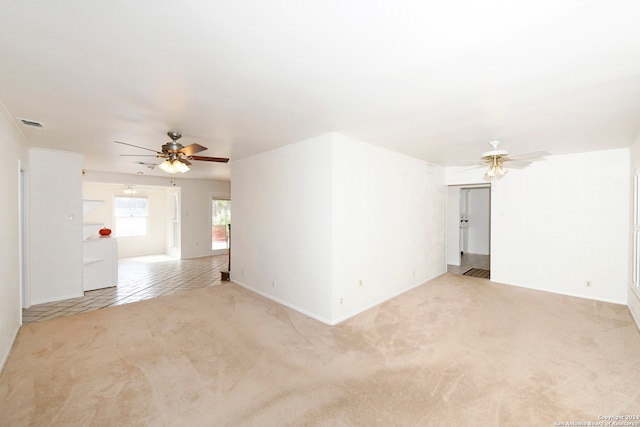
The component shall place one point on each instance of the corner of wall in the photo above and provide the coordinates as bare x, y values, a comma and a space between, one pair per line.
378, 253
280, 242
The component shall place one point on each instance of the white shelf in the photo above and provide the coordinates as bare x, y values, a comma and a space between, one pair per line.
89, 205
100, 255
90, 229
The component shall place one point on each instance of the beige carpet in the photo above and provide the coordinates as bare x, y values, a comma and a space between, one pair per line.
457, 351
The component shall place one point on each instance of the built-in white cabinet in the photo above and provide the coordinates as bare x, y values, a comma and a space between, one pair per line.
100, 253
100, 263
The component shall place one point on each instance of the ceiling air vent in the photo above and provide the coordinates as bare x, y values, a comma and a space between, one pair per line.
31, 123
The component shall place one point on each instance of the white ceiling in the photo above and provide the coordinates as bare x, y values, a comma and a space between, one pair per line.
432, 79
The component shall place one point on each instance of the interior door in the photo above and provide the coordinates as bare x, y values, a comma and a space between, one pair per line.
479, 221
453, 225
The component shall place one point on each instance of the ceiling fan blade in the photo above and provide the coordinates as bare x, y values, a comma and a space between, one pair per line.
210, 159
192, 149
516, 164
470, 168
531, 155
469, 162
137, 146
139, 155
186, 162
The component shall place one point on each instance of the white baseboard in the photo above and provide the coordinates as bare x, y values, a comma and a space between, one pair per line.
333, 322
569, 294
286, 304
60, 298
632, 306
636, 320
5, 356
380, 301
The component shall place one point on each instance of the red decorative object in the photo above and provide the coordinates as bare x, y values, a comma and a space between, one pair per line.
105, 231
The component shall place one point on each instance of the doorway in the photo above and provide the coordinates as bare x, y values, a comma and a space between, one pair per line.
220, 221
469, 230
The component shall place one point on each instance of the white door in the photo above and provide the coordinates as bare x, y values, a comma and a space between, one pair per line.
453, 225
479, 218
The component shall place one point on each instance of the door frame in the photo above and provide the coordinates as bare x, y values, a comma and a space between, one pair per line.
213, 197
23, 238
453, 219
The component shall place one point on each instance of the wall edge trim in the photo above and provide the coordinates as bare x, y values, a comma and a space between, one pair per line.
568, 294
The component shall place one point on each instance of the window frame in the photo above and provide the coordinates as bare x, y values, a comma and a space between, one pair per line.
118, 227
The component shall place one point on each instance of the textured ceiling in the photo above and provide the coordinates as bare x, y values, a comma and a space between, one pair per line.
432, 79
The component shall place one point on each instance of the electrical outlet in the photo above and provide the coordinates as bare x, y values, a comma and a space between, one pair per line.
588, 284
360, 282
242, 272
340, 301
273, 284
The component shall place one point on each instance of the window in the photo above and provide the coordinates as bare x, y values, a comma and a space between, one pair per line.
131, 216
175, 221
220, 219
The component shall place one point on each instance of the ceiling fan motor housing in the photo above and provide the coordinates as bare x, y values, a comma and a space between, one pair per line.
172, 147
494, 153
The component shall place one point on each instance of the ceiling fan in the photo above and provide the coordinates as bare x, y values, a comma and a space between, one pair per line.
496, 160
177, 158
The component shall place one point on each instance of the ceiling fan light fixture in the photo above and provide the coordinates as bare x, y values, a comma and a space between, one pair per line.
129, 191
173, 166
181, 166
496, 169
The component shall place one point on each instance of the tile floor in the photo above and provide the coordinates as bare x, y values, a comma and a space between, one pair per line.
469, 261
139, 278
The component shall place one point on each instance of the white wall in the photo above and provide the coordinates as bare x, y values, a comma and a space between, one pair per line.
319, 216
14, 149
155, 242
633, 294
55, 225
195, 209
281, 225
388, 224
560, 223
